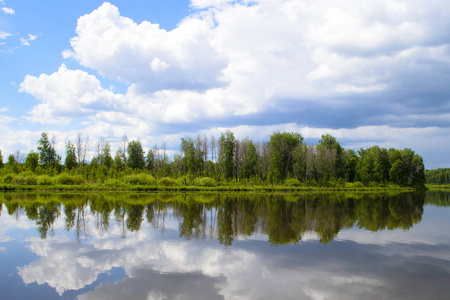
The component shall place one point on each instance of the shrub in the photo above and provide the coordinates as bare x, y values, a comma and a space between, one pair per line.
141, 179
45, 180
68, 179
292, 182
354, 185
8, 178
167, 181
20, 180
205, 181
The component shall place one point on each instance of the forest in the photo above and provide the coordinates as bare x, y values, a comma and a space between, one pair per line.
439, 176
284, 160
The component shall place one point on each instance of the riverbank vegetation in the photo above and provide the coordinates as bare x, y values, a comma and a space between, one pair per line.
285, 162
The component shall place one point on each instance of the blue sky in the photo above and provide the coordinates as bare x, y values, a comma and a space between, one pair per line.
370, 73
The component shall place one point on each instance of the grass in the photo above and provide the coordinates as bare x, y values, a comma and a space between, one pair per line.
190, 188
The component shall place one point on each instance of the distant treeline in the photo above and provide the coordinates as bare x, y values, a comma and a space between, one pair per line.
284, 159
438, 176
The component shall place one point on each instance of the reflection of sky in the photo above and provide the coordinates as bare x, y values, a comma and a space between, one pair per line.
389, 264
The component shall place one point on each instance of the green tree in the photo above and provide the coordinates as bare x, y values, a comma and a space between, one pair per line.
32, 161
250, 160
12, 165
282, 147
227, 145
330, 158
47, 153
119, 160
71, 156
135, 155
351, 163
150, 161
189, 156
1, 159
104, 154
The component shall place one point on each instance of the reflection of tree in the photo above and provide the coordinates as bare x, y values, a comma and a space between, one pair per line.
12, 207
438, 198
81, 228
32, 211
120, 215
225, 221
135, 217
284, 218
46, 218
69, 211
191, 221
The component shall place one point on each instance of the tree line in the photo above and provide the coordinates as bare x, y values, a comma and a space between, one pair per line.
284, 159
438, 176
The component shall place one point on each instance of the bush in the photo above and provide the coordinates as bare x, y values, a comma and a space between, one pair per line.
68, 179
354, 185
45, 180
141, 179
167, 181
8, 178
20, 180
292, 182
205, 181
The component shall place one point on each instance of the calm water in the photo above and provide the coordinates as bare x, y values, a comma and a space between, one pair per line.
225, 246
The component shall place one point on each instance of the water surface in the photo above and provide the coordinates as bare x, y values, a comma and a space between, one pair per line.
225, 246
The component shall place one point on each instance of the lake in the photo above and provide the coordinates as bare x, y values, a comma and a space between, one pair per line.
225, 246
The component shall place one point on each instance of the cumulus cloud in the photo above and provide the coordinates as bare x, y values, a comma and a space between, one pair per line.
341, 65
146, 55
66, 94
8, 11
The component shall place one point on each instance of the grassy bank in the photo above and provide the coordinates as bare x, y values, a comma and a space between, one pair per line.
155, 188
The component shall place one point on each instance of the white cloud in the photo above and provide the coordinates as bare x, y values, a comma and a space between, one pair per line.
66, 94
243, 58
8, 11
4, 35
26, 42
146, 55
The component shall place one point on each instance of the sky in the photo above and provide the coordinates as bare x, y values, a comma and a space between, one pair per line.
367, 72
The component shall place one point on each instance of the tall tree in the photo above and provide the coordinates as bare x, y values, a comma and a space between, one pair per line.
250, 160
227, 146
32, 161
135, 155
150, 161
188, 152
1, 159
71, 156
330, 160
282, 146
119, 160
47, 153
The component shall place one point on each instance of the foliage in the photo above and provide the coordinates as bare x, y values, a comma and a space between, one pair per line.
438, 176
227, 146
45, 180
205, 181
292, 182
47, 153
135, 155
68, 179
285, 161
140, 179
1, 159
167, 181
